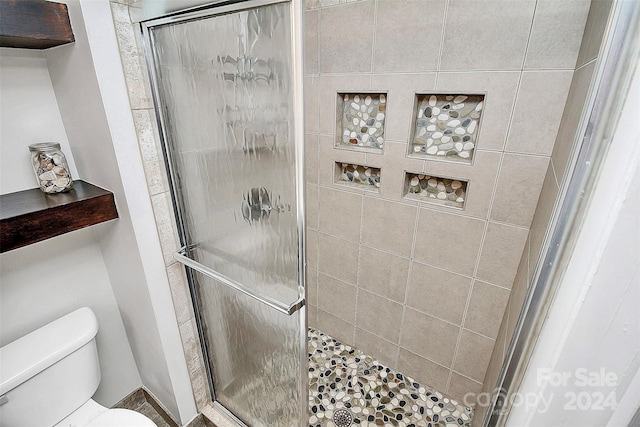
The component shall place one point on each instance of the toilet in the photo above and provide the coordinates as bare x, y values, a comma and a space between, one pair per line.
47, 378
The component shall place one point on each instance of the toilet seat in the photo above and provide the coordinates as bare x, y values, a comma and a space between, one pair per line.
92, 414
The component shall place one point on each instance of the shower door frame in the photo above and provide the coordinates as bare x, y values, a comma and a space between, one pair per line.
201, 10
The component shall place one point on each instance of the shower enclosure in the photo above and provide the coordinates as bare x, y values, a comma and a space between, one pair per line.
226, 82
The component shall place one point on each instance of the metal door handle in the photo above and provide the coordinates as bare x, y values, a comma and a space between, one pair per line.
282, 307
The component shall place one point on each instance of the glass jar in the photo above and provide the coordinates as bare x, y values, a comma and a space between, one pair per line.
50, 167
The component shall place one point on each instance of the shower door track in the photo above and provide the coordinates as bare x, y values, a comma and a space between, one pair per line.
284, 308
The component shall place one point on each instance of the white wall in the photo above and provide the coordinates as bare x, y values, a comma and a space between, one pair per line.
41, 282
29, 114
90, 90
593, 327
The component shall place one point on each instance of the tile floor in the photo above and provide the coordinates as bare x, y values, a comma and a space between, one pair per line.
347, 387
350, 388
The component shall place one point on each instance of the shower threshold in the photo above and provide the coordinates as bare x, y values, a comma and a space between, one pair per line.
347, 387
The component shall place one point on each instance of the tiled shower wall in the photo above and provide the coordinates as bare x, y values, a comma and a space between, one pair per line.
557, 175
423, 287
143, 113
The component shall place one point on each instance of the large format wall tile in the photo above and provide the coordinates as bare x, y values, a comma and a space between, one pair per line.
485, 298
311, 112
593, 31
341, 329
346, 38
447, 241
429, 337
311, 206
500, 254
486, 35
338, 258
539, 105
385, 323
556, 33
383, 350
396, 52
518, 188
387, 226
336, 297
383, 274
340, 213
472, 357
426, 371
437, 292
311, 42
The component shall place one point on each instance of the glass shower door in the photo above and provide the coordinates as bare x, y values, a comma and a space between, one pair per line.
226, 86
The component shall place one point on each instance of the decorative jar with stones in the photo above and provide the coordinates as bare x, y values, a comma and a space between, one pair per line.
50, 167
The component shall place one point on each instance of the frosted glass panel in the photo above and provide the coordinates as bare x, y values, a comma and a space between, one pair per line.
224, 84
254, 356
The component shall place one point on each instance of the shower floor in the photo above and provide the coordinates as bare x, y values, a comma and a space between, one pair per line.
344, 378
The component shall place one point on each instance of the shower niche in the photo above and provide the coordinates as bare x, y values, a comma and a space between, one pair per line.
434, 189
360, 120
446, 126
358, 176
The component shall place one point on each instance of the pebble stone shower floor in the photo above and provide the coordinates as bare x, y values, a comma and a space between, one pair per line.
347, 387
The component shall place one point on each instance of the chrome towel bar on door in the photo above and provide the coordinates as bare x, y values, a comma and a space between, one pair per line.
282, 307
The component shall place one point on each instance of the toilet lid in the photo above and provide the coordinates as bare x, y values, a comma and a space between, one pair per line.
121, 417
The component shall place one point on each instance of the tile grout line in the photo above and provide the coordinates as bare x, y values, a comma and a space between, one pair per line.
318, 59
408, 259
358, 267
406, 285
416, 203
428, 159
450, 71
526, 49
555, 175
441, 47
373, 39
468, 301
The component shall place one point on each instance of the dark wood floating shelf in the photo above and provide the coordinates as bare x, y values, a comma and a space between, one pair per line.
34, 24
31, 216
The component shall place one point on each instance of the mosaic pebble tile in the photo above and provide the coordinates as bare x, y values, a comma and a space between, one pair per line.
361, 121
445, 191
447, 125
358, 175
342, 378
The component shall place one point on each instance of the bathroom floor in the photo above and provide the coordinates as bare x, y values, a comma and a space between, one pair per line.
347, 387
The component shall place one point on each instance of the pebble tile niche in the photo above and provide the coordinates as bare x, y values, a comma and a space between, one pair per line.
360, 120
365, 177
444, 191
348, 387
446, 126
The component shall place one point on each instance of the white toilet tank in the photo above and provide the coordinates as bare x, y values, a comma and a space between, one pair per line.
49, 373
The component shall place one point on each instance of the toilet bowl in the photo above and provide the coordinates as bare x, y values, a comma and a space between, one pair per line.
48, 377
92, 414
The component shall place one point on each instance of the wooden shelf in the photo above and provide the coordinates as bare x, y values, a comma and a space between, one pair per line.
34, 24
31, 216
